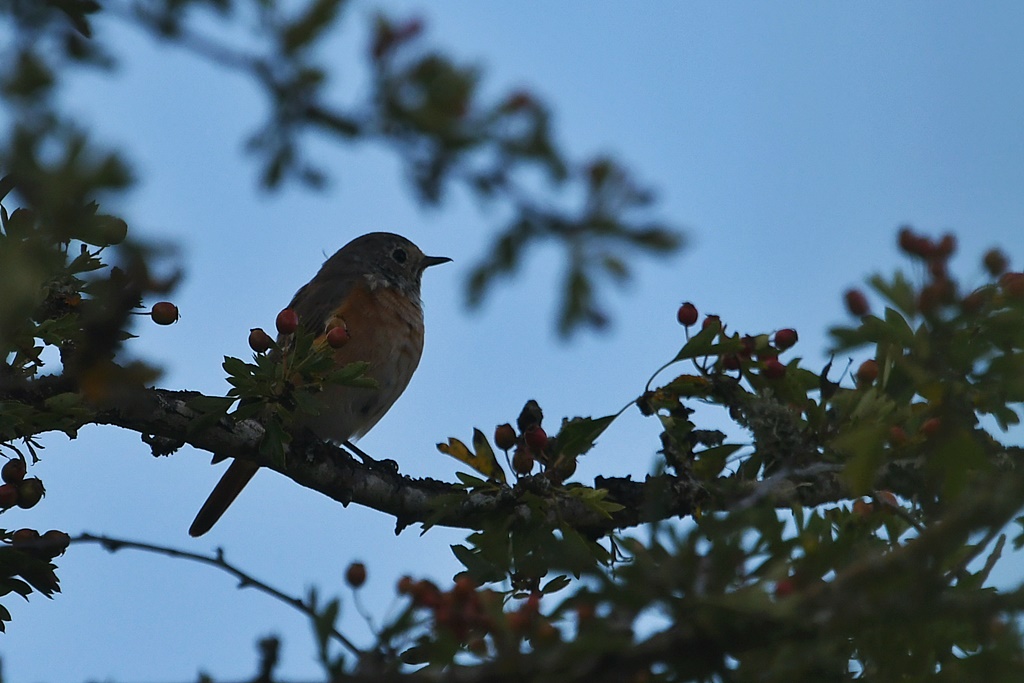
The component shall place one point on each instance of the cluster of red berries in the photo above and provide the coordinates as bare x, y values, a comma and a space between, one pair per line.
883, 501
17, 489
45, 546
529, 447
287, 322
471, 614
753, 348
464, 611
940, 289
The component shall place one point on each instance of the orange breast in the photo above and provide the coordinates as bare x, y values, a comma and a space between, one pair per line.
385, 330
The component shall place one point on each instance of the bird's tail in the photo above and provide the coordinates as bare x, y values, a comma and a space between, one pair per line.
224, 493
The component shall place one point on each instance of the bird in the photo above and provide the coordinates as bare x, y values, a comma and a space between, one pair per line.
371, 287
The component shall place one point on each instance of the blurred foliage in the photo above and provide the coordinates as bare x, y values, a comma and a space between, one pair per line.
852, 535
422, 105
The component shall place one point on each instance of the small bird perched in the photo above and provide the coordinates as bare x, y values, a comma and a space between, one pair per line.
371, 288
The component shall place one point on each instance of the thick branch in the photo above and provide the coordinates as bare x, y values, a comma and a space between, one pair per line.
333, 472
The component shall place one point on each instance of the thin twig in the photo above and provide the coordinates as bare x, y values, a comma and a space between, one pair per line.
217, 560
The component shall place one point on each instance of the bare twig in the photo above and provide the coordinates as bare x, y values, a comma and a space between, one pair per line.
245, 580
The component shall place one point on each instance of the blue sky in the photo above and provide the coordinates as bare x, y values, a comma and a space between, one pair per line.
790, 141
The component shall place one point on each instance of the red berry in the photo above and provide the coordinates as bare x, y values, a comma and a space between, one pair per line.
30, 492
856, 302
337, 337
287, 321
259, 341
995, 262
1013, 285
914, 244
522, 461
425, 594
786, 338
749, 346
164, 313
897, 435
355, 575
862, 508
931, 427
784, 588
773, 369
975, 301
8, 496
520, 99
887, 498
24, 537
13, 471
405, 585
946, 246
504, 436
536, 438
54, 543
464, 587
711, 321
867, 373
687, 314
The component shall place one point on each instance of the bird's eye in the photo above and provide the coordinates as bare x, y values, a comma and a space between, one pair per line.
399, 255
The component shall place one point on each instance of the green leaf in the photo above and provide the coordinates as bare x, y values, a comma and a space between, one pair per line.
577, 435
483, 461
900, 292
556, 584
479, 568
700, 344
865, 447
711, 461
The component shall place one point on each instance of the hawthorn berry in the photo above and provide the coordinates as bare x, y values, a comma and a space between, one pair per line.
931, 427
287, 321
784, 588
867, 373
887, 498
946, 246
13, 471
1012, 285
355, 575
30, 492
337, 337
164, 313
711, 321
405, 585
8, 496
974, 302
773, 369
786, 338
897, 435
995, 262
504, 436
914, 244
259, 341
522, 461
862, 508
687, 314
54, 542
24, 537
856, 302
536, 438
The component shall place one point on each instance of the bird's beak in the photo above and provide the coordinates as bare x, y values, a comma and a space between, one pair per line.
434, 260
